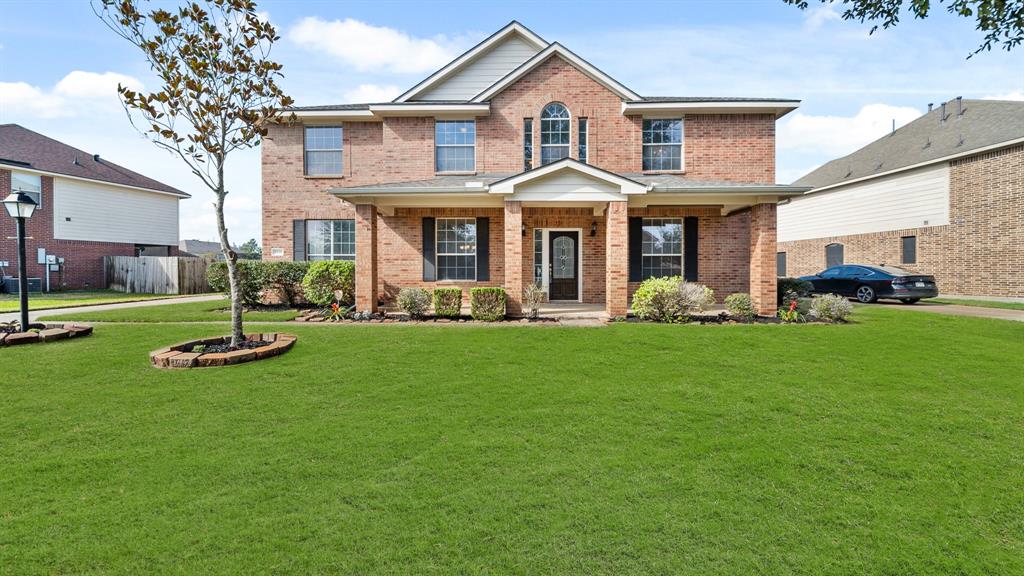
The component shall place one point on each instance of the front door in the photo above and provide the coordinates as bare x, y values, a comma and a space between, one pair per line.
564, 270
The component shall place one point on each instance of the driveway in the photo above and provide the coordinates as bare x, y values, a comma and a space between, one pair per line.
957, 310
33, 314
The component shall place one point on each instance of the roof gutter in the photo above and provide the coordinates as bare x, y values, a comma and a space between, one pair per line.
779, 108
774, 190
20, 167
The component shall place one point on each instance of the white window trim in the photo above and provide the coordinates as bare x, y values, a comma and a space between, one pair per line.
310, 254
682, 244
533, 150
541, 134
545, 270
438, 253
341, 151
436, 146
682, 145
39, 202
586, 141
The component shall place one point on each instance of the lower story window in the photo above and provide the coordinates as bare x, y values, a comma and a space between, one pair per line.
662, 248
780, 264
909, 249
538, 256
331, 239
456, 249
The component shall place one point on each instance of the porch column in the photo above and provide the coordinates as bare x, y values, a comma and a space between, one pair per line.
617, 264
762, 258
514, 256
366, 258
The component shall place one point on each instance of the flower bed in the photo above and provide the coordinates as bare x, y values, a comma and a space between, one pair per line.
318, 316
45, 332
210, 352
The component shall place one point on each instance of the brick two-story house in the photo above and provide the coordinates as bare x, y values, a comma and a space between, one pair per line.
521, 162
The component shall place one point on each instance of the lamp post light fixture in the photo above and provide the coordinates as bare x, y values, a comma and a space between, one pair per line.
21, 206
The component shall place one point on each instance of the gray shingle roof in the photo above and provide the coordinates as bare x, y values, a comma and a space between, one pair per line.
983, 123
739, 99
439, 183
21, 147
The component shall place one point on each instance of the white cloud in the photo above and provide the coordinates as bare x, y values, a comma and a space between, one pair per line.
372, 93
840, 135
1014, 95
77, 92
817, 17
373, 48
80, 84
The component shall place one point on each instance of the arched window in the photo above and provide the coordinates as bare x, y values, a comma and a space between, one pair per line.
554, 133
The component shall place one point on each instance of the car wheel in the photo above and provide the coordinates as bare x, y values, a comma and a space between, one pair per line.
909, 300
866, 294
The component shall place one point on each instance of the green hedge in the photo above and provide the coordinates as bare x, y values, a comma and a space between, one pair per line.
326, 278
802, 288
447, 302
487, 304
257, 276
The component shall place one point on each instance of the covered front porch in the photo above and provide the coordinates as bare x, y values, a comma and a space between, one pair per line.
585, 236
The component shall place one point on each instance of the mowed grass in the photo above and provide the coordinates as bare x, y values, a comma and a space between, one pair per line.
978, 303
48, 300
206, 311
891, 446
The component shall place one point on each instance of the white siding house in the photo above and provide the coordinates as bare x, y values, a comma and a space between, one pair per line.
910, 199
109, 213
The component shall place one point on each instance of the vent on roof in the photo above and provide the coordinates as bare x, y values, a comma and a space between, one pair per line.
927, 144
930, 106
959, 106
879, 166
849, 171
95, 157
76, 162
942, 115
960, 142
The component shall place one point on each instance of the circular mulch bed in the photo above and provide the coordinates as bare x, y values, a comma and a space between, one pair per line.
46, 332
210, 352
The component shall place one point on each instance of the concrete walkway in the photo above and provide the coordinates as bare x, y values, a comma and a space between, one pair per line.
957, 310
34, 314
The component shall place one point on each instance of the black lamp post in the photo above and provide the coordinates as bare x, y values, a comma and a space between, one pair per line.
21, 206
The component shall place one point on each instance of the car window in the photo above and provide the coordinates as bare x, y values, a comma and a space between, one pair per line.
857, 272
832, 272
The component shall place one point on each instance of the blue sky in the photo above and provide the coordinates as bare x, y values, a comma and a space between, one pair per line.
59, 66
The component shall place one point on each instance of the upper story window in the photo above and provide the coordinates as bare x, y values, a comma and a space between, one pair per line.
331, 239
581, 139
554, 133
455, 145
456, 248
323, 146
663, 144
30, 184
527, 143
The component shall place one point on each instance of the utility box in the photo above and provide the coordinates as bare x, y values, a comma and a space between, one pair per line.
11, 285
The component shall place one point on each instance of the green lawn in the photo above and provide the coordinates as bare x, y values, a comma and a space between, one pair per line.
206, 311
44, 301
979, 303
891, 446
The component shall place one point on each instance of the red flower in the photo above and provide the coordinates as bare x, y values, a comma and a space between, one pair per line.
792, 305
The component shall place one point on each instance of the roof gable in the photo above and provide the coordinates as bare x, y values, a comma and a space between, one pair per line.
480, 66
569, 171
552, 50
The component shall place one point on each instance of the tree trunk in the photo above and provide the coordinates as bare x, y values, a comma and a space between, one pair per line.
231, 258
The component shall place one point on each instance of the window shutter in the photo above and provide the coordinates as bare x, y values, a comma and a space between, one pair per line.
429, 250
298, 240
636, 241
483, 267
690, 248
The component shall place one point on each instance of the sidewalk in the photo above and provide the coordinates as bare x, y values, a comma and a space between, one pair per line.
34, 314
957, 310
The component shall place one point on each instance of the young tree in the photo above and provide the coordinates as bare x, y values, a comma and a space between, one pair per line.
1002, 21
251, 247
218, 91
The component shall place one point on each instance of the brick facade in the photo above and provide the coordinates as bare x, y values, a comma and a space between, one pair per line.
83, 261
721, 147
979, 253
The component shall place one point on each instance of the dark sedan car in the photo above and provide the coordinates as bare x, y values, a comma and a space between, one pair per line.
869, 283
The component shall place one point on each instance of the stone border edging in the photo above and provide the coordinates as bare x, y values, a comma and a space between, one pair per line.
51, 332
176, 357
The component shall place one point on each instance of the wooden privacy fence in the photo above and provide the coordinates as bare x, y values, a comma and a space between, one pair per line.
156, 274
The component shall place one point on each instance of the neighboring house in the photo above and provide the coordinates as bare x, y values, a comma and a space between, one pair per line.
88, 208
210, 250
520, 162
942, 195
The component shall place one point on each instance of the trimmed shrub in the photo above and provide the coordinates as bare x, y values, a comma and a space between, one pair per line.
830, 307
414, 301
487, 304
447, 302
285, 277
251, 277
740, 305
791, 288
669, 299
533, 297
327, 281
